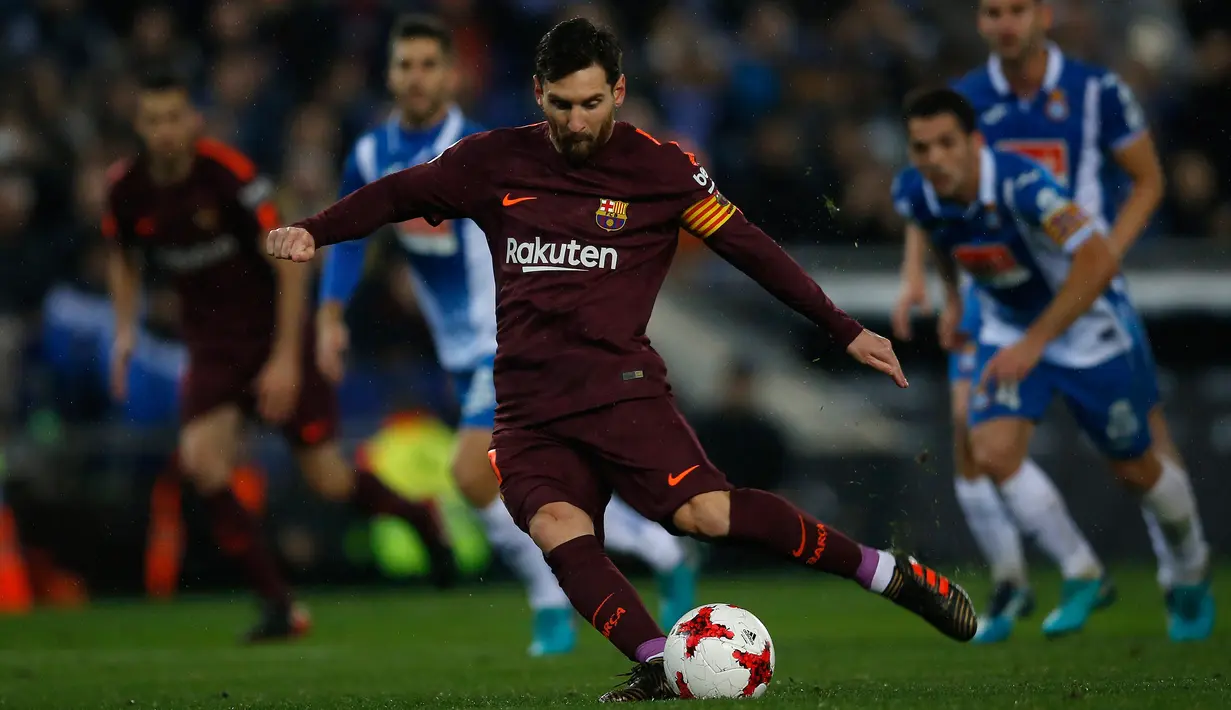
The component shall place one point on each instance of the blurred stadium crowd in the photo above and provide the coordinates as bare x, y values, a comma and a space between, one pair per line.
794, 104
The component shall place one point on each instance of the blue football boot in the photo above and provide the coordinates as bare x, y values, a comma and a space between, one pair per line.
1190, 612
1079, 598
677, 590
554, 634
1009, 603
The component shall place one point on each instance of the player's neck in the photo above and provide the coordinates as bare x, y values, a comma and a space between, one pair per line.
970, 191
420, 123
1025, 76
167, 170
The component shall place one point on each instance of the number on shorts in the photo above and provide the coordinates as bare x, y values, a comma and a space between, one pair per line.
1008, 396
1122, 421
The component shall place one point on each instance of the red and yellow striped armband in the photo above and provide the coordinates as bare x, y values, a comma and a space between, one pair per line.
705, 217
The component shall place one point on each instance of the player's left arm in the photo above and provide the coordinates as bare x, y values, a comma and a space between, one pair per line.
1126, 137
725, 230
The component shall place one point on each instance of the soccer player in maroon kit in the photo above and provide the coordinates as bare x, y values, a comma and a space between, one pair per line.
198, 209
582, 215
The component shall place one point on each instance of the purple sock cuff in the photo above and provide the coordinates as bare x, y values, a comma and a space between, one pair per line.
867, 566
651, 648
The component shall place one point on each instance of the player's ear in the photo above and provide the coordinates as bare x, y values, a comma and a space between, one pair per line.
620, 90
1047, 16
538, 92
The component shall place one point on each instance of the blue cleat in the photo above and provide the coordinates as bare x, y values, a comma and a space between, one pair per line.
1009, 603
678, 590
1190, 612
554, 634
1079, 598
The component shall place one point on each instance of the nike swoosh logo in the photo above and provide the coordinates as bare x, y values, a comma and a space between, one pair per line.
509, 200
672, 480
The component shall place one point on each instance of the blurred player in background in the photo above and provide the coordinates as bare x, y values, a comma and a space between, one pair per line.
1085, 127
582, 216
452, 271
196, 208
1053, 323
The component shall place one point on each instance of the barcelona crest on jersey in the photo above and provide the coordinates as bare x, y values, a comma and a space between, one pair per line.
611, 214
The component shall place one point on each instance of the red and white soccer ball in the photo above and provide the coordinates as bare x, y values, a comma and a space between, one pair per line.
719, 651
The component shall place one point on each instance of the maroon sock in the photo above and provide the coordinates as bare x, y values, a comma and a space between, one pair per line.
773, 522
238, 534
373, 497
605, 598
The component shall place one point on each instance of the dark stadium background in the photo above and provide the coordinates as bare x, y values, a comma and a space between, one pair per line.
791, 105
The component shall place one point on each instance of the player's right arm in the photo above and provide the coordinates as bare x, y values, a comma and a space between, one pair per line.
339, 277
911, 205
124, 283
913, 291
442, 188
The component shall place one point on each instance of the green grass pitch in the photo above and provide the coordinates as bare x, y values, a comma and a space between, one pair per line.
837, 648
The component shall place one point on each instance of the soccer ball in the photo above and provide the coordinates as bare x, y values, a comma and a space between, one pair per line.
719, 651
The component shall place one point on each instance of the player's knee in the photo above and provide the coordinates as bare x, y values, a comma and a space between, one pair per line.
1139, 474
556, 523
706, 516
475, 480
204, 468
997, 457
327, 472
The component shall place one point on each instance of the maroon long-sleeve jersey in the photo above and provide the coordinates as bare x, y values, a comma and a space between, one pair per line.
205, 230
580, 254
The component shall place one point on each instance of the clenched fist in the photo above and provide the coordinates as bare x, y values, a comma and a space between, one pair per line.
292, 243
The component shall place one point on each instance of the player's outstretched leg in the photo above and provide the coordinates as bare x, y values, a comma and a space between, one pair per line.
626, 532
207, 453
603, 596
999, 447
1171, 514
762, 518
988, 519
553, 632
333, 479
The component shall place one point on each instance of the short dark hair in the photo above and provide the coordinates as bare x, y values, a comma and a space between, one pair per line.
929, 102
162, 81
415, 26
574, 45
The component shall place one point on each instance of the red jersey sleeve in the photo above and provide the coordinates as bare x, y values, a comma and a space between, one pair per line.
253, 192
711, 217
445, 187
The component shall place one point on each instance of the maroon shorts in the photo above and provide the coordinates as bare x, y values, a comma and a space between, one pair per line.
227, 375
642, 449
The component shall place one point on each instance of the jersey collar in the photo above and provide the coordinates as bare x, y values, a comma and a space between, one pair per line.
447, 132
1055, 67
987, 181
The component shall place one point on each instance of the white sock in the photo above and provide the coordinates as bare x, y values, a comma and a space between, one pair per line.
525, 558
1162, 551
1040, 511
1172, 504
992, 528
884, 572
626, 532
